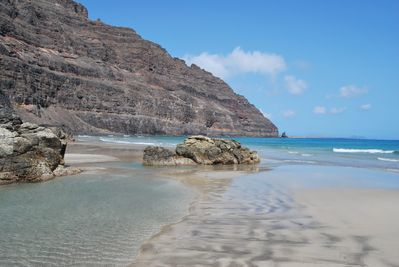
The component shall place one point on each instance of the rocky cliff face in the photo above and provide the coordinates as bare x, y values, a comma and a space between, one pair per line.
58, 67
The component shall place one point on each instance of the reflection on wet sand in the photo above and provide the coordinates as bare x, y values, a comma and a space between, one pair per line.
239, 219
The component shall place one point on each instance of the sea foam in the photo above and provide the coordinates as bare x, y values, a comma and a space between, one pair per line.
372, 151
109, 140
386, 159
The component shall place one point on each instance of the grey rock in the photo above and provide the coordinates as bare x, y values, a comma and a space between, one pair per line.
58, 67
28, 152
160, 156
201, 150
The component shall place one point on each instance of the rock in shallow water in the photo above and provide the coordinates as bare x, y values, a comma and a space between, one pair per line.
201, 150
160, 156
28, 152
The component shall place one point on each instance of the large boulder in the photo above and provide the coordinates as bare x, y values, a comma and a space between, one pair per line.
201, 150
28, 152
160, 156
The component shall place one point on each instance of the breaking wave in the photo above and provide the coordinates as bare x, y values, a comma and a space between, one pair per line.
390, 160
372, 151
110, 140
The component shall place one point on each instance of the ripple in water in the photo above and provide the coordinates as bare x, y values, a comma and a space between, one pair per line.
85, 220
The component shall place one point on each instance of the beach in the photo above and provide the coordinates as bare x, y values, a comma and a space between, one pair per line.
264, 215
250, 217
245, 221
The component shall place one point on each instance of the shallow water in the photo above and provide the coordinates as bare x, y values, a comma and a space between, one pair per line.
101, 219
254, 220
86, 220
363, 153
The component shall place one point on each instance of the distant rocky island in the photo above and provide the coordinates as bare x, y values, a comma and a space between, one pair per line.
58, 67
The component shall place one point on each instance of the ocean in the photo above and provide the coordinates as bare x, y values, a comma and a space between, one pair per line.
102, 218
362, 153
93, 219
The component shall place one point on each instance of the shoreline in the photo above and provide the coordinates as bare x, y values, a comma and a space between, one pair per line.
283, 232
256, 216
298, 236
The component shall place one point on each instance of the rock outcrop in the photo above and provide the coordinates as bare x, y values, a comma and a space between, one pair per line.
58, 66
201, 150
28, 152
160, 156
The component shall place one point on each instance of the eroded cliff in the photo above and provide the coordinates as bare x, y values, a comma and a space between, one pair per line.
58, 67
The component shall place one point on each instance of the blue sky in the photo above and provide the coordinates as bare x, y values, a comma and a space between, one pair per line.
316, 68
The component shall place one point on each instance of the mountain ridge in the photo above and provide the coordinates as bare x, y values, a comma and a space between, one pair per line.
59, 67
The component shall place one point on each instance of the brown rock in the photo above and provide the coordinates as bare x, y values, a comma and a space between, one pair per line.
59, 67
159, 156
201, 150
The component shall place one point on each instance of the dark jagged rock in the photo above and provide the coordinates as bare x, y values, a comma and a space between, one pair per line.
58, 67
28, 152
201, 150
284, 135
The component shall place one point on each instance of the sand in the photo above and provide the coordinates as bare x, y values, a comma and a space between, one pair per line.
246, 220
243, 217
366, 217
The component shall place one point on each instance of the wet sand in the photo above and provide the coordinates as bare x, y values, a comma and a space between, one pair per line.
248, 220
368, 218
243, 217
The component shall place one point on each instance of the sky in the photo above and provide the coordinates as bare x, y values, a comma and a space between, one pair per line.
315, 68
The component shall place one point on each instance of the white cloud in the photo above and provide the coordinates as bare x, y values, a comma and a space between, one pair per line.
337, 110
319, 110
288, 113
295, 86
365, 107
324, 110
351, 91
238, 62
265, 114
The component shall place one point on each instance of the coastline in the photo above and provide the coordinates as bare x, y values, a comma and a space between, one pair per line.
256, 215
276, 225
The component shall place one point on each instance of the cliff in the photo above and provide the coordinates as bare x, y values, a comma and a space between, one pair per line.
58, 67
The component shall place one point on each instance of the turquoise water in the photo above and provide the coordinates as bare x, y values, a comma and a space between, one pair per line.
364, 153
101, 219
86, 220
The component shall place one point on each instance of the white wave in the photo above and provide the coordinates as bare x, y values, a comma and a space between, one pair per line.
372, 151
306, 155
126, 142
391, 160
299, 161
293, 152
83, 136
